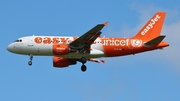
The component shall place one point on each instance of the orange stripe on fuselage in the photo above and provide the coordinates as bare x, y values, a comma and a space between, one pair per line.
125, 46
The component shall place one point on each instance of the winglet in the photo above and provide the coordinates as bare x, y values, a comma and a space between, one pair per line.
105, 23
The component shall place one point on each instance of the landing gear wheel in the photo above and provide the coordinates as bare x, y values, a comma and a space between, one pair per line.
83, 60
31, 58
30, 63
83, 68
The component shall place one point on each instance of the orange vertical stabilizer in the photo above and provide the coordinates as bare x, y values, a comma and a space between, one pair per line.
152, 28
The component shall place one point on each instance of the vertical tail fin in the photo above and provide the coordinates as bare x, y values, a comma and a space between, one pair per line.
153, 27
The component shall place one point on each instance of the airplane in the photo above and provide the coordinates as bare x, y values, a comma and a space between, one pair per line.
68, 50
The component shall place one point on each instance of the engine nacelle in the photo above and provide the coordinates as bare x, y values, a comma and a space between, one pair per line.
62, 62
61, 49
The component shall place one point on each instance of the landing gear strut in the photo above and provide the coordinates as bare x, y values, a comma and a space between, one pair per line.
83, 60
30, 62
83, 67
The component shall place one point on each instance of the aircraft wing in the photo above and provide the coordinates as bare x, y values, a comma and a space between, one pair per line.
83, 43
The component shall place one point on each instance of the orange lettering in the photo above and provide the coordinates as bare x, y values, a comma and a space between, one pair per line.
38, 40
64, 40
47, 40
55, 40
74, 38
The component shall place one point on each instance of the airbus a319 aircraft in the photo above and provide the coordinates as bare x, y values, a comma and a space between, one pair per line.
90, 46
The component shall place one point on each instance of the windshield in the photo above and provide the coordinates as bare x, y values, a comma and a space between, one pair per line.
18, 40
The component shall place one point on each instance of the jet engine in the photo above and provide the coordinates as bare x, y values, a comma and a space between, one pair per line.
60, 62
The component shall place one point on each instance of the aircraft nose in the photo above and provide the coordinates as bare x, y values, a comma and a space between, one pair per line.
10, 47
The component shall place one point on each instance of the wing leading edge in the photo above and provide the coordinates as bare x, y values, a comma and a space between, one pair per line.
83, 43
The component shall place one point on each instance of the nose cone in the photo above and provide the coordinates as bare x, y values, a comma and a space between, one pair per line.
10, 48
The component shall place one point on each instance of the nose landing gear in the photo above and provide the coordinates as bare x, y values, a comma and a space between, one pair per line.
30, 62
83, 67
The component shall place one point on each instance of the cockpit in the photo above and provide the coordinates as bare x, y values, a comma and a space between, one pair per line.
19, 40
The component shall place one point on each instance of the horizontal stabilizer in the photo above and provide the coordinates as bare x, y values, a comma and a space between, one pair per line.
155, 41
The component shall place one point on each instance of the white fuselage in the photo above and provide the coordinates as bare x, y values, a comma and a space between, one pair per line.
28, 46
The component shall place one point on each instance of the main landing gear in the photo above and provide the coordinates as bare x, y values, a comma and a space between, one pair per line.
30, 62
83, 67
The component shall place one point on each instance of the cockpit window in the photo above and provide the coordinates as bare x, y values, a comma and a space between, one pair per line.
18, 40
